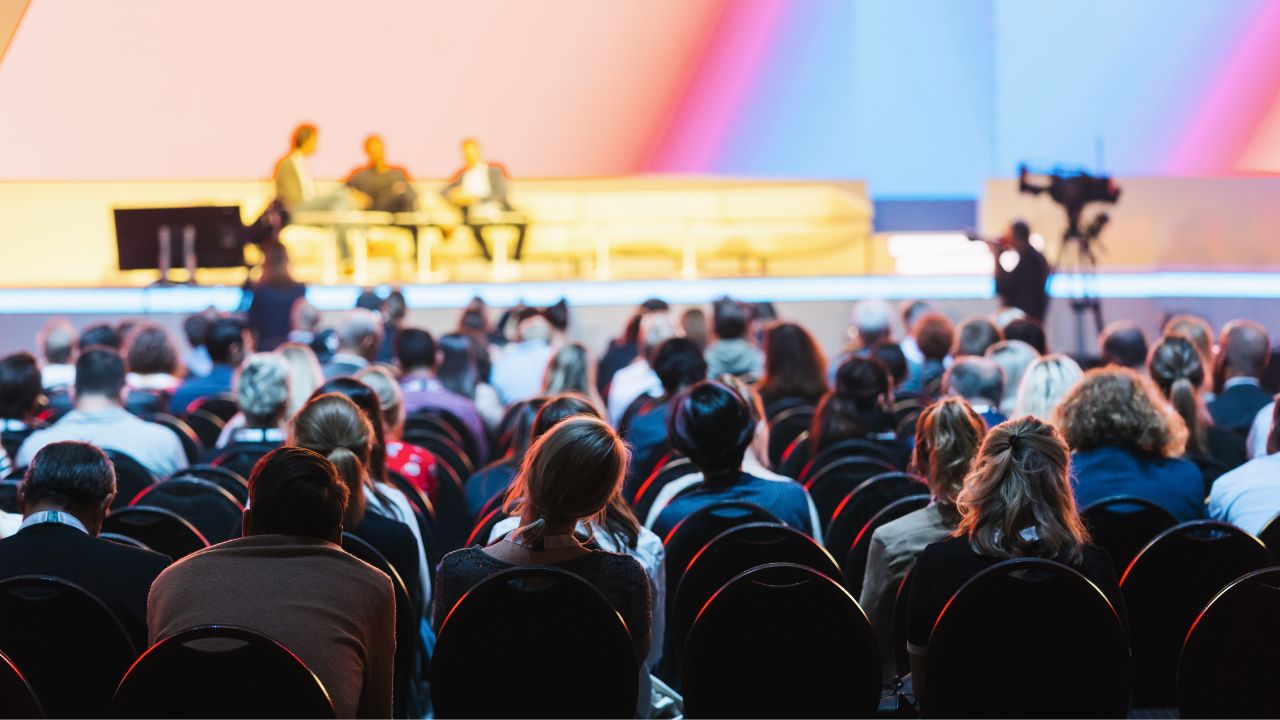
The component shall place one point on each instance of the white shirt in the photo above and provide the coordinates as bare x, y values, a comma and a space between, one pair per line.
475, 181
57, 376
630, 383
1261, 429
402, 511
1249, 496
55, 517
113, 428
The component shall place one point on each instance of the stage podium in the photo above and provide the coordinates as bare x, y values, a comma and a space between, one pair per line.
193, 237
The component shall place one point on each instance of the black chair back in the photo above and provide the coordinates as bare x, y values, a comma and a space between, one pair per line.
213, 511
220, 671
1027, 638
1166, 587
781, 640
132, 477
1123, 525
17, 699
1270, 536
853, 447
9, 496
161, 530
456, 430
691, 534
796, 456
538, 623
838, 478
223, 406
484, 527
860, 504
69, 646
1229, 659
206, 426
408, 639
240, 458
667, 472
425, 514
453, 522
124, 540
854, 566
901, 658
785, 427
444, 449
191, 445
225, 478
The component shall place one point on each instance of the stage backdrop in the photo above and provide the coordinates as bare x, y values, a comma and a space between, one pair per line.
918, 97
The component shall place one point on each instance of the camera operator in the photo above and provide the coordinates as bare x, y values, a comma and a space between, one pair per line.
1022, 286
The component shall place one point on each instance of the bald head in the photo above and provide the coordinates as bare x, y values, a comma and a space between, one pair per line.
1245, 349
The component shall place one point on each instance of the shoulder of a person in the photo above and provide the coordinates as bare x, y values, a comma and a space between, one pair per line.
125, 557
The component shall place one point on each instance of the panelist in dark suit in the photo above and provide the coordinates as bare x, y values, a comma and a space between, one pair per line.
479, 190
1244, 350
63, 499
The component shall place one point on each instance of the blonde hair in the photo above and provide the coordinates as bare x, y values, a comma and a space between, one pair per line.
335, 427
1043, 385
948, 434
305, 374
571, 473
1115, 406
570, 371
1020, 480
390, 398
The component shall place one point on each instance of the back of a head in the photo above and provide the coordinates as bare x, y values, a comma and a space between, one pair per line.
296, 491
912, 311
359, 331
1028, 330
58, 341
20, 386
1020, 480
948, 434
557, 315
149, 350
693, 324
333, 426
934, 335
394, 307
974, 336
225, 341
1196, 329
975, 379
1013, 357
383, 384
1043, 385
196, 328
262, 389
99, 372
100, 334
369, 300
1177, 369
569, 370
793, 363
74, 476
1123, 344
415, 349
558, 408
863, 382
304, 316
711, 425
729, 319
1115, 406
894, 360
678, 364
655, 328
1245, 350
535, 329
459, 368
305, 374
872, 320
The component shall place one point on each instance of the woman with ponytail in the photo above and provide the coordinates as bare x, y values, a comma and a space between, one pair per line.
948, 434
859, 406
333, 426
1016, 502
1177, 367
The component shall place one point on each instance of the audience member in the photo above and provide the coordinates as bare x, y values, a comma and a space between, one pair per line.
981, 383
411, 462
463, 369
20, 389
948, 434
151, 358
517, 374
304, 322
712, 426
731, 353
1195, 329
359, 337
859, 406
1044, 384
496, 477
1249, 496
1013, 357
794, 368
1124, 345
625, 348
679, 366
911, 312
895, 363
262, 393
57, 341
305, 374
638, 378
1028, 330
974, 336
1016, 502
99, 418
270, 315
933, 335
1243, 352
869, 325
394, 309
423, 391
100, 334
228, 343
1177, 368
693, 325
570, 371
290, 579
1126, 441
196, 329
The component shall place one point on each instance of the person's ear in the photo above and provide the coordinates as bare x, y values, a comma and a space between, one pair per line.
22, 500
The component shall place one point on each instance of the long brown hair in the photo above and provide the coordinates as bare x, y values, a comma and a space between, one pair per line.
1115, 406
1177, 367
948, 434
1021, 479
335, 427
855, 407
793, 364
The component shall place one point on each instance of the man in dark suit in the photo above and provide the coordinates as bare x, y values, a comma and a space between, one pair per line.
479, 190
63, 500
1244, 350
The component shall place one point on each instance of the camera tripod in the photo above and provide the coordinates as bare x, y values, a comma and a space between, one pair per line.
1078, 266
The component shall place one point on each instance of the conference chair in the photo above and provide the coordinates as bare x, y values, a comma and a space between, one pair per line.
860, 504
784, 427
1027, 638
132, 477
796, 456
534, 642
191, 446
71, 648
222, 405
443, 448
837, 478
220, 671
446, 422
408, 639
507, 426
1270, 535
451, 521
17, 699
1123, 525
230, 480
1229, 659
424, 514
669, 470
781, 640
484, 527
854, 447
206, 426
124, 540
241, 457
9, 496
164, 531
684, 541
214, 512
901, 658
1165, 588
854, 566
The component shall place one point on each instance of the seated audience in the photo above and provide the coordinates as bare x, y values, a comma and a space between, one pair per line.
100, 334
895, 363
63, 499
731, 353
1126, 441
981, 383
262, 392
1044, 384
869, 325
57, 343
1019, 482
625, 348
912, 310
270, 315
859, 406
569, 371
304, 322
422, 390
305, 374
228, 343
20, 390
570, 475
1013, 357
948, 434
359, 337
394, 309
152, 362
1178, 370
679, 366
794, 368
517, 374
1249, 496
411, 462
496, 477
290, 579
974, 336
196, 329
933, 335
1243, 352
1124, 345
712, 426
1028, 330
464, 369
693, 325
99, 418
638, 378
1195, 329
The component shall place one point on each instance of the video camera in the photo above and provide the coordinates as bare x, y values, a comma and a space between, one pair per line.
1073, 189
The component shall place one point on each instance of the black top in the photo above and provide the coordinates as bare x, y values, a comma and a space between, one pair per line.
945, 566
1024, 286
1235, 408
620, 578
271, 313
395, 541
617, 356
119, 575
488, 481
